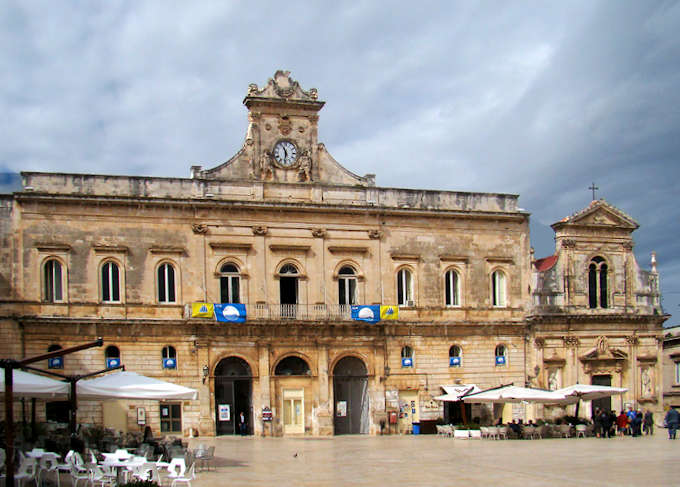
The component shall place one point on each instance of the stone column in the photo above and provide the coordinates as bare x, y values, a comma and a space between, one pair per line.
206, 422
262, 428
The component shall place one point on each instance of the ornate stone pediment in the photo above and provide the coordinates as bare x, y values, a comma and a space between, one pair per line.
599, 214
282, 86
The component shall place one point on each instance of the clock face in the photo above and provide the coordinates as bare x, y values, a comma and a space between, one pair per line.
285, 153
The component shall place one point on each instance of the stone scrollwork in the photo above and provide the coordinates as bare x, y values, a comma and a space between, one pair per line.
568, 244
632, 340
571, 341
318, 232
539, 342
260, 230
199, 228
374, 234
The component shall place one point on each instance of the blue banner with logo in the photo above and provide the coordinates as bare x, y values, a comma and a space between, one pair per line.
230, 312
369, 313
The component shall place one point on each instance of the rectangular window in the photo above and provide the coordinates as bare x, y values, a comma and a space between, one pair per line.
677, 372
171, 418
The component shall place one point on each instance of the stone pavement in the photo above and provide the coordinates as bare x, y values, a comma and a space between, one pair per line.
428, 460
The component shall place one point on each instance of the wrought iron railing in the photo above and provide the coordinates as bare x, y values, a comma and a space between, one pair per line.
311, 312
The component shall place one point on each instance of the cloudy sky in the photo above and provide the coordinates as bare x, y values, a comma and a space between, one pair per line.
535, 98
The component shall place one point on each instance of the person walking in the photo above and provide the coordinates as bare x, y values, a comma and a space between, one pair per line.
648, 423
622, 423
671, 421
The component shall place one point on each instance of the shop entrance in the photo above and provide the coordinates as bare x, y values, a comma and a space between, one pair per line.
350, 394
293, 411
233, 392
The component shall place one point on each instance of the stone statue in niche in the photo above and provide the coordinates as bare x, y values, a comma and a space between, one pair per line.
554, 379
646, 383
305, 167
266, 167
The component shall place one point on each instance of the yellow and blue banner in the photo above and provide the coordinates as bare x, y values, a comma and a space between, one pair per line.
230, 312
368, 313
389, 312
202, 310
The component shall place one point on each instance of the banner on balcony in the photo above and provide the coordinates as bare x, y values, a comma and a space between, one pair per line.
230, 312
389, 312
202, 310
370, 313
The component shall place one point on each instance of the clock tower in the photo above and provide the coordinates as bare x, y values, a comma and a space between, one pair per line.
281, 143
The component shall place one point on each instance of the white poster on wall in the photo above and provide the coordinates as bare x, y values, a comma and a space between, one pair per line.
224, 412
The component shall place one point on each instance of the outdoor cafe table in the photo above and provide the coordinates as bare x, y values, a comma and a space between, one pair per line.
120, 465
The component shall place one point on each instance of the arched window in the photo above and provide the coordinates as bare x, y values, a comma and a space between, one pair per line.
501, 355
53, 282
452, 286
406, 356
347, 286
405, 288
597, 283
230, 284
498, 289
112, 355
55, 362
455, 356
169, 357
110, 283
292, 366
166, 283
288, 290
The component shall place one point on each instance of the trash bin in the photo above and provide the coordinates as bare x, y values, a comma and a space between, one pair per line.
416, 428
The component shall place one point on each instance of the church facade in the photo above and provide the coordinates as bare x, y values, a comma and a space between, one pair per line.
291, 248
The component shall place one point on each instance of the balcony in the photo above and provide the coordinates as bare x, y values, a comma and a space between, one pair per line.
299, 312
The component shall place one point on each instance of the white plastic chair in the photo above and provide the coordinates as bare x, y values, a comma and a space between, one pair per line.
177, 468
98, 475
190, 475
580, 430
27, 471
49, 463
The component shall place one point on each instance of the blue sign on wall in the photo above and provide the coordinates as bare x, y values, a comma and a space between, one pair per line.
500, 359
169, 363
406, 362
112, 363
55, 363
454, 361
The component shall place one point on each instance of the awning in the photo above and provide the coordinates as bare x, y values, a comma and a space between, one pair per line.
25, 384
129, 385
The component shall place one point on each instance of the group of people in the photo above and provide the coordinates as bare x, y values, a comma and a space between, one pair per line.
607, 424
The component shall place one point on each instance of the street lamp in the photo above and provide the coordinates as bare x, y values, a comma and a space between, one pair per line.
206, 371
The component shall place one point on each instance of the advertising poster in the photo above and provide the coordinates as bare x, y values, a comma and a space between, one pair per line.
341, 408
224, 412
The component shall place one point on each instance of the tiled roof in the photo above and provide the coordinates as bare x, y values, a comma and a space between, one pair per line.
545, 264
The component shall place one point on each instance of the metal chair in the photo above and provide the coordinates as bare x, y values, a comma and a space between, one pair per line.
580, 430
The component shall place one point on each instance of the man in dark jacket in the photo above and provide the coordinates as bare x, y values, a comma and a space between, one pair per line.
671, 421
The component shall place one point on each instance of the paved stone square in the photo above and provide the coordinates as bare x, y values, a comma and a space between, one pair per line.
429, 460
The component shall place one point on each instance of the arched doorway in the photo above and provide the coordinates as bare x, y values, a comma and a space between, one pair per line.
350, 393
233, 392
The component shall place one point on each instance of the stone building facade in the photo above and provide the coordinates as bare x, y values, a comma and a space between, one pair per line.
284, 229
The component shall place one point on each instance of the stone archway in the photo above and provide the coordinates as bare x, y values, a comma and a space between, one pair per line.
233, 395
350, 394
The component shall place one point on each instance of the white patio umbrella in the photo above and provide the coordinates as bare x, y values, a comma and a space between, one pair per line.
456, 393
25, 384
515, 394
129, 385
588, 392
